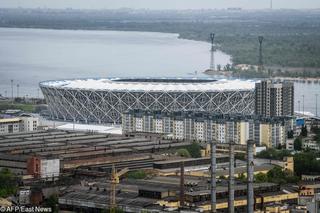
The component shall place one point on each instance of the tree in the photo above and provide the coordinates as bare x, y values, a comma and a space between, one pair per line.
274, 154
261, 177
183, 153
195, 150
52, 202
306, 163
304, 131
297, 144
290, 134
242, 177
8, 183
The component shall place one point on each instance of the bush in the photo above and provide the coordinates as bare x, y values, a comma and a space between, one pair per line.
194, 149
274, 154
139, 174
183, 153
261, 178
8, 183
297, 144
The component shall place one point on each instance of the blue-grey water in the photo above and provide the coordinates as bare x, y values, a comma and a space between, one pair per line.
28, 56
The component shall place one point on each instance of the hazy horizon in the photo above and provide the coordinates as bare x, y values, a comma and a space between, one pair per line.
160, 4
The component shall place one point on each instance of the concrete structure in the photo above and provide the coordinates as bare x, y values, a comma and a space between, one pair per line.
274, 98
24, 123
104, 100
250, 176
43, 168
10, 125
231, 178
201, 126
213, 175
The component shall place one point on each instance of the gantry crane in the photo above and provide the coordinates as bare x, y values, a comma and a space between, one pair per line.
115, 176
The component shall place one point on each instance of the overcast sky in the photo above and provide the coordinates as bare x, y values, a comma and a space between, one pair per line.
161, 4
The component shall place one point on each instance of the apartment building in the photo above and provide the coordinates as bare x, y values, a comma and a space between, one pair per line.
24, 123
202, 126
274, 98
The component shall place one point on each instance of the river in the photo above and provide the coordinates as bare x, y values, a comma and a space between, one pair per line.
28, 56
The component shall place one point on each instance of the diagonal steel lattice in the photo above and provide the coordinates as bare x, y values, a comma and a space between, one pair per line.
106, 106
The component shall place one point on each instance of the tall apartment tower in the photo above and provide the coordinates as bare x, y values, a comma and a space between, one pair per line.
274, 98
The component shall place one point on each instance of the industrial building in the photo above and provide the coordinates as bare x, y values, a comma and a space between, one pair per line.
23, 123
274, 98
33, 152
202, 126
104, 100
161, 194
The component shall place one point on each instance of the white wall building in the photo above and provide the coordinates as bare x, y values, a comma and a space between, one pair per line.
49, 168
24, 123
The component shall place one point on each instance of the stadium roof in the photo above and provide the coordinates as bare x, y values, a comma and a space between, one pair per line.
147, 84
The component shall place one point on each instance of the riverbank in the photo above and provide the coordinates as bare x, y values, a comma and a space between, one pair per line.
290, 35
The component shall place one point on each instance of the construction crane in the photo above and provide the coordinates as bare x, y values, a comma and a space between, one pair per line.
115, 176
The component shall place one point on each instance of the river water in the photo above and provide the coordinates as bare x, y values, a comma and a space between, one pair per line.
28, 56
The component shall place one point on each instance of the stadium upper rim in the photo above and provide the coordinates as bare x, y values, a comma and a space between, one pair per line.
152, 84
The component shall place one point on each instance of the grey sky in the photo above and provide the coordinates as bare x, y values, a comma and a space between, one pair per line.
161, 4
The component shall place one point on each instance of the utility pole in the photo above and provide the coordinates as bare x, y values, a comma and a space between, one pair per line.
260, 39
18, 90
299, 106
12, 91
317, 105
303, 104
213, 144
212, 65
271, 5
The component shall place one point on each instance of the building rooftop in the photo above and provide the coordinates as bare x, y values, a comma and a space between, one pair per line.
148, 84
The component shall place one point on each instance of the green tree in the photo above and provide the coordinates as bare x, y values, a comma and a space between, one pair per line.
307, 163
52, 202
8, 183
183, 153
261, 177
242, 177
278, 175
274, 154
304, 131
290, 134
297, 144
194, 149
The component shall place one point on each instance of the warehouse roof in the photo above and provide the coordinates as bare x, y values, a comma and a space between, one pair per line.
148, 84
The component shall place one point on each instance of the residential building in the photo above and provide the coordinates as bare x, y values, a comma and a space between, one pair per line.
202, 126
24, 123
10, 125
274, 98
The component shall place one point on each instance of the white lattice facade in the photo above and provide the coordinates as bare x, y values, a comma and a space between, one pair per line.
104, 100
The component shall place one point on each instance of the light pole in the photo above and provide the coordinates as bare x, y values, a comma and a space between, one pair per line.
299, 106
18, 90
12, 91
317, 105
303, 104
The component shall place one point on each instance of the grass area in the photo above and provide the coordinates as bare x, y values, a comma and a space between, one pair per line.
138, 174
21, 106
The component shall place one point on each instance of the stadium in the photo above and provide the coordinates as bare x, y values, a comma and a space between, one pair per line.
104, 100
